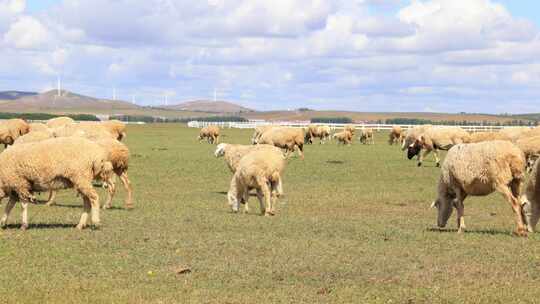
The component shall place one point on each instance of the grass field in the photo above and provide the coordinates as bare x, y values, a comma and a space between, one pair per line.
354, 227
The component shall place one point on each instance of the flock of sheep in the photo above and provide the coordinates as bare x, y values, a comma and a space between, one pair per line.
62, 154
477, 164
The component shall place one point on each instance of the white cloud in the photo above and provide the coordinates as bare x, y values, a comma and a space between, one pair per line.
27, 32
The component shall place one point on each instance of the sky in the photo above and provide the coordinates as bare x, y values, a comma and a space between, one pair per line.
362, 55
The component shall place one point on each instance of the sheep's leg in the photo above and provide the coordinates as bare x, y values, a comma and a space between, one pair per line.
301, 151
9, 206
217, 140
245, 199
52, 197
111, 190
437, 160
87, 207
91, 201
267, 197
129, 190
24, 215
516, 207
460, 207
422, 155
260, 197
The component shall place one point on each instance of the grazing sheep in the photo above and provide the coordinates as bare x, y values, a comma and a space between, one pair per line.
211, 133
344, 137
234, 153
7, 137
396, 135
531, 148
478, 170
350, 128
531, 198
90, 131
19, 126
59, 122
259, 132
477, 137
53, 164
12, 129
314, 131
116, 128
514, 133
260, 170
285, 138
434, 139
38, 126
33, 136
366, 136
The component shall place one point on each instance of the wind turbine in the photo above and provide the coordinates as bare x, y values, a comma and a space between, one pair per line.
114, 93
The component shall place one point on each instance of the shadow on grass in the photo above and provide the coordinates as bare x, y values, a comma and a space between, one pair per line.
252, 194
481, 231
335, 162
113, 208
41, 226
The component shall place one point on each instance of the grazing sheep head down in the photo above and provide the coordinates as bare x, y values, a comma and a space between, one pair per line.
414, 149
444, 211
220, 150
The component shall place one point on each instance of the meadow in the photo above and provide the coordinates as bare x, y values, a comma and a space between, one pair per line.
354, 226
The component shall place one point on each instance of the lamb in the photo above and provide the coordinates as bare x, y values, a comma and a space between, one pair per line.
38, 126
285, 138
480, 169
59, 122
211, 133
260, 170
321, 132
396, 135
531, 148
488, 136
344, 137
366, 136
33, 168
434, 139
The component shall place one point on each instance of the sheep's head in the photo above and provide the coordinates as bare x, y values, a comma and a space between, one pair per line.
444, 211
220, 150
414, 149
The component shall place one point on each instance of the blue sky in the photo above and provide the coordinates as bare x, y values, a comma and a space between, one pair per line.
366, 55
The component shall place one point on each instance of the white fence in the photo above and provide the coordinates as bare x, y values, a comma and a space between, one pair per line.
377, 127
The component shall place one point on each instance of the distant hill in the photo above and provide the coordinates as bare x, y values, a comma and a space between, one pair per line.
12, 95
209, 107
67, 101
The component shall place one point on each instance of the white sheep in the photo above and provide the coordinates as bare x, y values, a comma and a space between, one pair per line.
260, 170
434, 139
289, 139
367, 136
53, 164
478, 170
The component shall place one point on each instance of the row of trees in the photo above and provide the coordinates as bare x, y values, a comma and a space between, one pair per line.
416, 121
152, 119
45, 116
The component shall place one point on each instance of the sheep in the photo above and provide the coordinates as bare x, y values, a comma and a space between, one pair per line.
531, 148
38, 126
89, 131
344, 137
412, 134
53, 164
514, 133
366, 136
59, 122
321, 132
531, 198
259, 132
234, 153
260, 170
477, 137
12, 129
285, 138
33, 136
480, 169
434, 139
350, 128
116, 128
211, 133
396, 135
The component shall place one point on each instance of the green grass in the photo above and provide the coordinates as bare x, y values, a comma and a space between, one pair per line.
354, 227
